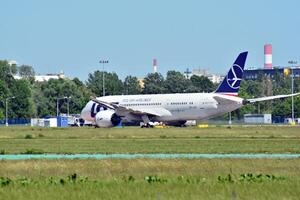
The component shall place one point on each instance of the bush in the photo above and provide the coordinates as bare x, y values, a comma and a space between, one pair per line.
2, 151
155, 179
5, 181
28, 136
33, 151
249, 177
128, 179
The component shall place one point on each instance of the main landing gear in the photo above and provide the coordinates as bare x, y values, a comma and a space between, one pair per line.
146, 122
147, 125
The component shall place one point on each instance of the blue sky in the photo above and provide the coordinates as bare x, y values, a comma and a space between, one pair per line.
74, 35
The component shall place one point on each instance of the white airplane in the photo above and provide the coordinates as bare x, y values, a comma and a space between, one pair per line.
173, 109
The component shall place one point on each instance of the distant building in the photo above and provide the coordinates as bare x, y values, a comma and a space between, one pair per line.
141, 83
253, 74
12, 62
215, 78
258, 118
47, 77
200, 72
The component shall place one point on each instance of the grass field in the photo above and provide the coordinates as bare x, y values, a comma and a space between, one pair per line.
173, 179
151, 178
237, 139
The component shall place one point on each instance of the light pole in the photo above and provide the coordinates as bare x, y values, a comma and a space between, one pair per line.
68, 105
292, 62
6, 110
103, 78
57, 107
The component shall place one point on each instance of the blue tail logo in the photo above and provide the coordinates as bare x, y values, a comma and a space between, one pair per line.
231, 83
234, 76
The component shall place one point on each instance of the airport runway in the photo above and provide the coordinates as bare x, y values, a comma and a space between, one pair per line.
133, 156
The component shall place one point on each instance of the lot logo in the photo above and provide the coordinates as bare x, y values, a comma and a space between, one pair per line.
234, 76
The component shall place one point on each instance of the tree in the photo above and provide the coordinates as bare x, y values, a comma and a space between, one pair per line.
6, 72
282, 108
113, 85
281, 84
41, 101
154, 84
175, 82
243, 93
26, 71
202, 83
267, 90
3, 94
47, 93
78, 82
131, 85
22, 105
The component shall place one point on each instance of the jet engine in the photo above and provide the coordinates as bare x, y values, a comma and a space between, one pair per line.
107, 118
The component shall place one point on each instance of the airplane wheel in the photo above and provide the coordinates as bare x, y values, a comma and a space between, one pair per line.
147, 126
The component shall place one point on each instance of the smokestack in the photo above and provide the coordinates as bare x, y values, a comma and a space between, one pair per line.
154, 65
268, 56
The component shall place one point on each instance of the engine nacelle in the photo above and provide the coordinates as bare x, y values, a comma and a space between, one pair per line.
107, 118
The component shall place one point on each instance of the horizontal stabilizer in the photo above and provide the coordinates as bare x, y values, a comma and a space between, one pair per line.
223, 100
270, 98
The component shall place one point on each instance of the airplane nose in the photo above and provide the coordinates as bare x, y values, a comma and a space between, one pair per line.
85, 113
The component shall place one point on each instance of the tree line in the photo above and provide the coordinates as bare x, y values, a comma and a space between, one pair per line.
39, 99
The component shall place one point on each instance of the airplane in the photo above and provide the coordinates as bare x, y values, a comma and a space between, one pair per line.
172, 109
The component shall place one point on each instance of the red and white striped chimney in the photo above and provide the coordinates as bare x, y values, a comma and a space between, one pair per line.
154, 65
268, 56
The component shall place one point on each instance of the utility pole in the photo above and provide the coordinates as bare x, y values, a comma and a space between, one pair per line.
57, 104
103, 62
292, 62
68, 105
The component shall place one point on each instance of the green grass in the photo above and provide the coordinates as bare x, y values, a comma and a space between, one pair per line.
180, 179
237, 139
171, 178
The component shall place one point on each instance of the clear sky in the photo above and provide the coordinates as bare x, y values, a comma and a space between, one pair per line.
73, 35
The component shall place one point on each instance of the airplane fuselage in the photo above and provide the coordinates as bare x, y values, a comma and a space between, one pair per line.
190, 106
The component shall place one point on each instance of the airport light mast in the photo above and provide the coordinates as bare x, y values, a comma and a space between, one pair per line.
6, 109
57, 107
68, 105
292, 62
103, 62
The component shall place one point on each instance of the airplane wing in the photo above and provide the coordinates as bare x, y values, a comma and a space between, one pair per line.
122, 110
105, 104
270, 98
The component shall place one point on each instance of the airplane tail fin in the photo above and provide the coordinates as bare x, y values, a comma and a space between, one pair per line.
231, 83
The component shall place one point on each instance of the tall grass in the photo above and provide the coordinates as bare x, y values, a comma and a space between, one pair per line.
170, 179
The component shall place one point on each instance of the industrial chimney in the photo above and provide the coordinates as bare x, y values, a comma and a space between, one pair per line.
268, 56
154, 65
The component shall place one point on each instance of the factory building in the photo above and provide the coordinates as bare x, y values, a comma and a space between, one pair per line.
253, 74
